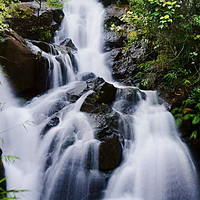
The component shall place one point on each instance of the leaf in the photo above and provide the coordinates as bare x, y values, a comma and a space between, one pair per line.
196, 120
193, 135
3, 179
4, 74
188, 116
9, 158
185, 110
198, 106
179, 121
156, 13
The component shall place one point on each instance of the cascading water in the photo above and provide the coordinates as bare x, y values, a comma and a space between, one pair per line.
157, 165
59, 153
83, 24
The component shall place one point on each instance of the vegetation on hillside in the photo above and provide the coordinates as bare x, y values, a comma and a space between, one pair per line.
170, 31
12, 8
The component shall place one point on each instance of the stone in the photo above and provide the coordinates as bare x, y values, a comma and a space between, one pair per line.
110, 154
123, 65
68, 43
54, 121
112, 40
46, 47
103, 95
39, 25
85, 76
19, 61
109, 2
2, 174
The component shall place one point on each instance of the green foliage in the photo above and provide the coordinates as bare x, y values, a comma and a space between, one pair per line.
18, 11
5, 11
57, 4
9, 158
190, 112
12, 193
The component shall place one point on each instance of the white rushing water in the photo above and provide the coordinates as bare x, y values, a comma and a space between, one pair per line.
58, 154
83, 24
157, 165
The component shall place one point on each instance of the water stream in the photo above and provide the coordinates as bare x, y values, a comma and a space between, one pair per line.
55, 142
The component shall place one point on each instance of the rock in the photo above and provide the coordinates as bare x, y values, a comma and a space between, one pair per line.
112, 40
98, 108
109, 2
124, 65
36, 27
194, 147
54, 121
46, 47
104, 93
85, 76
110, 154
26, 70
68, 43
19, 61
2, 174
127, 100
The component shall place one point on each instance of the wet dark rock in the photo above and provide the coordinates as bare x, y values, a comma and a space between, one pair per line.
46, 47
58, 16
194, 147
74, 61
68, 43
78, 90
110, 153
2, 174
54, 121
127, 100
113, 40
101, 99
109, 2
18, 60
85, 76
124, 64
27, 71
97, 105
38, 26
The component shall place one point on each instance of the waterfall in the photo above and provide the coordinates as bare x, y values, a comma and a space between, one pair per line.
56, 143
83, 24
157, 165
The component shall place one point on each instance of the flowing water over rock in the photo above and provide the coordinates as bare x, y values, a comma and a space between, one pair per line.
157, 165
61, 148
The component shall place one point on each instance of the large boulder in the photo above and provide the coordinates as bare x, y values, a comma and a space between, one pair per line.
28, 67
19, 62
110, 153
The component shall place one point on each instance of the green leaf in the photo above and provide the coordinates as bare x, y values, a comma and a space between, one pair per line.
3, 179
193, 135
179, 121
156, 13
198, 106
196, 120
9, 158
188, 116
